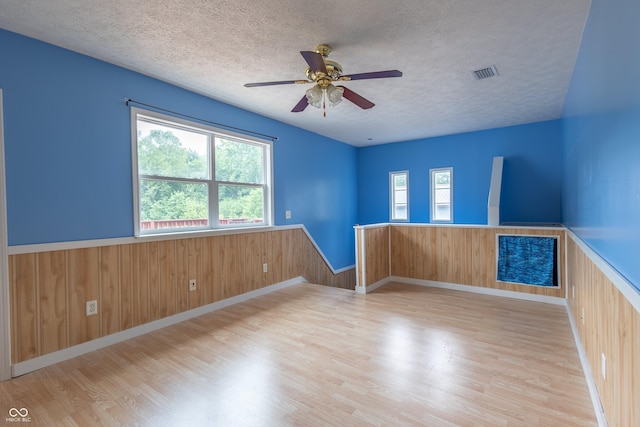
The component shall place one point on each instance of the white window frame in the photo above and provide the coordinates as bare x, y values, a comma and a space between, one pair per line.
211, 181
392, 196
432, 186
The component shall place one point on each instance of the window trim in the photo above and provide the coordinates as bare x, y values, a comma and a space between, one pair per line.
432, 188
392, 198
213, 189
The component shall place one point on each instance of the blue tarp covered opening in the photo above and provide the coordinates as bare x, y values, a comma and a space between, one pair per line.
530, 260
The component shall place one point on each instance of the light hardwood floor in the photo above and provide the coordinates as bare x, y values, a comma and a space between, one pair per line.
313, 355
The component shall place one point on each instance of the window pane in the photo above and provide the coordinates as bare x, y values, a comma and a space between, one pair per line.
239, 162
399, 196
442, 178
400, 212
171, 204
441, 194
172, 151
443, 213
238, 204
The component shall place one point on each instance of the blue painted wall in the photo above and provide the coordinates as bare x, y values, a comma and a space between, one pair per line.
68, 151
531, 183
602, 137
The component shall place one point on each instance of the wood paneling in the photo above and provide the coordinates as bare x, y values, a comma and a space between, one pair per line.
52, 286
109, 290
456, 261
402, 240
194, 269
153, 282
377, 253
140, 262
611, 325
182, 280
483, 253
24, 303
167, 278
127, 279
460, 255
83, 285
138, 283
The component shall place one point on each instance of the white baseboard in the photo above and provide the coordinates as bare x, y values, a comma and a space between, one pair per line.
30, 365
591, 385
477, 290
370, 288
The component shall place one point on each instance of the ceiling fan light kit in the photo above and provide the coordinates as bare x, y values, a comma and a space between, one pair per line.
324, 73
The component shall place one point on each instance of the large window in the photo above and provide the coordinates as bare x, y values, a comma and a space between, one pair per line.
399, 195
442, 195
189, 176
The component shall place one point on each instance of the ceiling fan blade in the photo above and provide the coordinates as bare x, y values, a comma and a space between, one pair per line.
361, 102
301, 105
315, 61
375, 75
284, 82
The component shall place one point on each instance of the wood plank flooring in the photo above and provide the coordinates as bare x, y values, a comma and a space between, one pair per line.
318, 356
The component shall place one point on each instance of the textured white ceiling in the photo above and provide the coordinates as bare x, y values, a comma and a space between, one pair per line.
214, 47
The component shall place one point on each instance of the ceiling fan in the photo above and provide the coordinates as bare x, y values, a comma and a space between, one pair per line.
324, 73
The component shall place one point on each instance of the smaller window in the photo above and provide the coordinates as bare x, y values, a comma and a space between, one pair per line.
399, 195
441, 195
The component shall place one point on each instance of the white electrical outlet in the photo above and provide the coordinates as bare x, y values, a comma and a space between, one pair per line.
573, 292
265, 268
582, 315
192, 284
604, 366
287, 214
91, 307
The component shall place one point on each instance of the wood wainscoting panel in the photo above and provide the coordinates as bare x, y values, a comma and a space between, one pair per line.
483, 257
24, 303
52, 287
456, 260
402, 244
83, 278
181, 280
136, 283
167, 278
428, 253
210, 271
154, 289
461, 255
110, 300
377, 254
195, 272
230, 273
608, 324
126, 286
275, 255
139, 283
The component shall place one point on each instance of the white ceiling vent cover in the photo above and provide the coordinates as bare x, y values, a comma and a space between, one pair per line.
485, 73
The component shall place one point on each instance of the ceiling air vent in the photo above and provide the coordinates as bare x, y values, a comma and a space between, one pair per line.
485, 73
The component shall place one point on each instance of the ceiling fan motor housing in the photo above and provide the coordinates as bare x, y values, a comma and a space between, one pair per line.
334, 71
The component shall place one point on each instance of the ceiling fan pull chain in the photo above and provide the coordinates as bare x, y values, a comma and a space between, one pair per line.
324, 105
